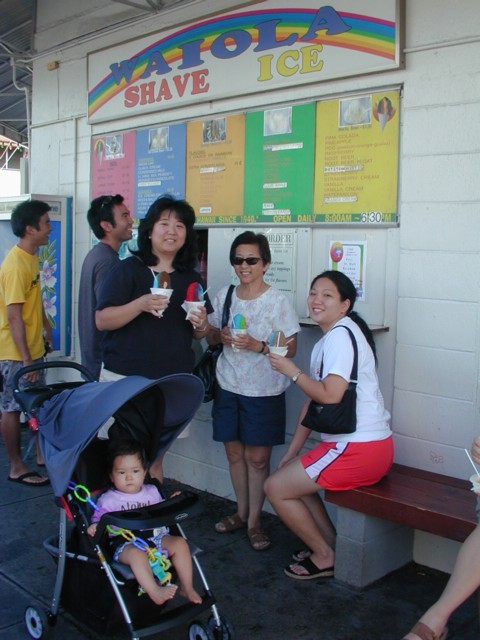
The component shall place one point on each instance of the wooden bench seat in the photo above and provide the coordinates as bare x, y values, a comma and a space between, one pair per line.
411, 498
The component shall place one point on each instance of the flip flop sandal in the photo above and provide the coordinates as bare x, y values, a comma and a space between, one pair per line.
301, 554
425, 633
312, 571
230, 523
258, 539
23, 479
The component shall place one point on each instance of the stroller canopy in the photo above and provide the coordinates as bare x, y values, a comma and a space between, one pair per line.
153, 411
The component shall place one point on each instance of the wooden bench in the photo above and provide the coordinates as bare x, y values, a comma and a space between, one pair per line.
375, 525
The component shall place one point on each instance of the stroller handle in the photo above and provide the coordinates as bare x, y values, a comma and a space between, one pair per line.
31, 398
54, 364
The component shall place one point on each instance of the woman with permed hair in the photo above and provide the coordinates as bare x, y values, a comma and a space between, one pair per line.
249, 405
149, 334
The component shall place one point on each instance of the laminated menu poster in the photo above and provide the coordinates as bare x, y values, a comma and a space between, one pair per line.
279, 164
215, 164
113, 166
356, 160
160, 165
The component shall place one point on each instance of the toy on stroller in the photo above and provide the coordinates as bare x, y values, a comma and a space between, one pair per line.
69, 417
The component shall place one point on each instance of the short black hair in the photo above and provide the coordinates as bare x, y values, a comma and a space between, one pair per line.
125, 446
27, 214
257, 239
101, 209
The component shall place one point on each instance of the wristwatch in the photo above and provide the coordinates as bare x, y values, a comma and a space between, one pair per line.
296, 376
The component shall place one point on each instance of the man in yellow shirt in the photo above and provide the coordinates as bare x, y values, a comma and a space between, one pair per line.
24, 327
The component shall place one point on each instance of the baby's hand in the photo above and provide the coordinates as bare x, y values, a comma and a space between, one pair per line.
92, 529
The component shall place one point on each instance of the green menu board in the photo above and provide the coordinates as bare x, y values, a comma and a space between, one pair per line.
279, 164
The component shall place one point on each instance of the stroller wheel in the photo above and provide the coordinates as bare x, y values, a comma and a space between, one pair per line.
198, 631
224, 632
36, 621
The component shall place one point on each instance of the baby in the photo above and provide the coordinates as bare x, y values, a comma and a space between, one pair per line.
127, 466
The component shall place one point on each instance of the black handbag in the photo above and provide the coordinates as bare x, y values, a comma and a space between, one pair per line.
206, 366
340, 417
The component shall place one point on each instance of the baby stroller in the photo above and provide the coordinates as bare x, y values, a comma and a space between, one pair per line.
69, 417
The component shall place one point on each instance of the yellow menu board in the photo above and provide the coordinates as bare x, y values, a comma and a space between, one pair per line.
356, 159
215, 166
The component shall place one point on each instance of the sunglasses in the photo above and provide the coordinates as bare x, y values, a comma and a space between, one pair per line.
237, 261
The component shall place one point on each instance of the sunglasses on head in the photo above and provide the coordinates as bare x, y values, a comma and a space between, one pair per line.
237, 261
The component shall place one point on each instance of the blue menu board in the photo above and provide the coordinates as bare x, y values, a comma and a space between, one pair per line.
160, 165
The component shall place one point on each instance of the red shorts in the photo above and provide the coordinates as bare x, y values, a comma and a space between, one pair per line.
340, 466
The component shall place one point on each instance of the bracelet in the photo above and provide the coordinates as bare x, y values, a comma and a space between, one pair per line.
202, 329
296, 376
264, 346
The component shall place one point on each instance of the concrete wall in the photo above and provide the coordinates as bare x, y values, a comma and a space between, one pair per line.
429, 360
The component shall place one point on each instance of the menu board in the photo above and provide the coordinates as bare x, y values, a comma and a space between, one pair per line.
113, 166
160, 165
279, 164
333, 161
356, 159
215, 167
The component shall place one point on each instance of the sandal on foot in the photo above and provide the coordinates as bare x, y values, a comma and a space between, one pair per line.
425, 633
230, 523
258, 539
312, 571
301, 554
24, 479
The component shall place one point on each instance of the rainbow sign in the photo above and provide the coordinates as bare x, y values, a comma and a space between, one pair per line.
261, 47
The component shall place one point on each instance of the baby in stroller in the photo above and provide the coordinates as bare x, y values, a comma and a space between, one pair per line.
127, 468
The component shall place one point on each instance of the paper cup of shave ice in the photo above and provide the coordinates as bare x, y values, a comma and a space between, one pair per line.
160, 291
475, 480
190, 305
278, 351
235, 333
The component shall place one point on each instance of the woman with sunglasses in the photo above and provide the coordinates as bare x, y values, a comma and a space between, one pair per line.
249, 406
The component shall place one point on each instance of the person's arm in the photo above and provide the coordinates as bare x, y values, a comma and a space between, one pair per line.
19, 335
476, 450
47, 331
330, 390
111, 318
17, 329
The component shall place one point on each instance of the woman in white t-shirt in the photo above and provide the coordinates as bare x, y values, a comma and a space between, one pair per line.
342, 461
249, 405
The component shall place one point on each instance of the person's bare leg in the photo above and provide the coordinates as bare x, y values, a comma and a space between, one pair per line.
285, 490
179, 553
137, 560
258, 467
40, 460
156, 468
465, 579
239, 475
11, 436
319, 513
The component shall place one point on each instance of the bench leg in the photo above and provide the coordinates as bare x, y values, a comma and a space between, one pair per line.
368, 548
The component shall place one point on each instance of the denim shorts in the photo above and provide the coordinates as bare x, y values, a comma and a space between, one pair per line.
256, 422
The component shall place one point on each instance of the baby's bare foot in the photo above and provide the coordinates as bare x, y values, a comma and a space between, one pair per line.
191, 594
162, 594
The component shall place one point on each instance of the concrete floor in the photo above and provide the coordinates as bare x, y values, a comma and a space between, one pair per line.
251, 590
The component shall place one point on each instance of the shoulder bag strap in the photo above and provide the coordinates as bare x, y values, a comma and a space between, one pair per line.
226, 305
354, 372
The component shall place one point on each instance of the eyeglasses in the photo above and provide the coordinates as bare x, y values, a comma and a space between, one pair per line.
237, 261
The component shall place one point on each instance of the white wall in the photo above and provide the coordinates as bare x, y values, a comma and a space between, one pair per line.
429, 360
